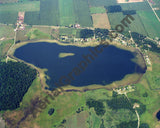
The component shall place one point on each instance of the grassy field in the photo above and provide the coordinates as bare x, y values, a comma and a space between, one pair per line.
16, 7
37, 34
8, 17
158, 13
150, 22
32, 18
95, 10
102, 2
6, 31
4, 46
67, 31
49, 12
115, 18
101, 21
137, 26
83, 13
66, 11
136, 6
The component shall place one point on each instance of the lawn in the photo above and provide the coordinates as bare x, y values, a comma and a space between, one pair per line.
66, 11
95, 10
24, 6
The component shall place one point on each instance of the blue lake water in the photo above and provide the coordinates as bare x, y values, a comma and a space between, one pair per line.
158, 115
90, 65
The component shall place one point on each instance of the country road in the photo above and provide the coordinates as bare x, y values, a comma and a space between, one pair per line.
154, 11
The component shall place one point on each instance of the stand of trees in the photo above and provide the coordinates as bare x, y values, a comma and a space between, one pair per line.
143, 42
98, 106
15, 79
86, 33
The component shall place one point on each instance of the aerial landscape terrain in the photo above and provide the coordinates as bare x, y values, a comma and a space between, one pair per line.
79, 63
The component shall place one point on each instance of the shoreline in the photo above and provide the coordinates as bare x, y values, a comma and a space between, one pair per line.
133, 78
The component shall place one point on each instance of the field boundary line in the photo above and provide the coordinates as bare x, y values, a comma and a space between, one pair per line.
154, 11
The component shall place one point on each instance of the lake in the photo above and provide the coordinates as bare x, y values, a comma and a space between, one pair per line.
158, 115
83, 66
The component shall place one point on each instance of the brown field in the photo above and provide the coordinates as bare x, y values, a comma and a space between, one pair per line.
101, 21
130, 1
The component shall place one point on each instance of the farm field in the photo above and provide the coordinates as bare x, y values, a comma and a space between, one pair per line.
49, 12
95, 10
6, 31
4, 46
66, 12
32, 18
101, 21
60, 13
96, 3
150, 22
158, 13
24, 6
67, 31
115, 18
83, 13
136, 6
8, 1
8, 17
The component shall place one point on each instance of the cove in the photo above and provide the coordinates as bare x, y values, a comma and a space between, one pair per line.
112, 64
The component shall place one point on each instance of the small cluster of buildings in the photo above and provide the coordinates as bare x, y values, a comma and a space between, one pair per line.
20, 21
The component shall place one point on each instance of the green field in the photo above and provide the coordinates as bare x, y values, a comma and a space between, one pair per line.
49, 12
158, 13
95, 10
136, 6
150, 22
4, 46
32, 18
8, 17
6, 31
102, 2
25, 6
60, 12
66, 11
115, 18
67, 31
83, 13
